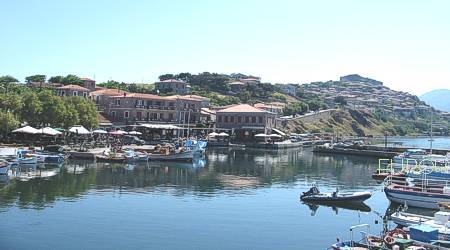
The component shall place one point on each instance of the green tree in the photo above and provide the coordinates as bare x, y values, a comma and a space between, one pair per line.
53, 109
87, 112
166, 77
11, 102
340, 100
71, 116
56, 79
5, 82
72, 79
32, 108
8, 122
36, 78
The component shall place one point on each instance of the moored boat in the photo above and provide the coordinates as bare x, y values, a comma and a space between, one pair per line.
314, 195
111, 158
423, 195
185, 156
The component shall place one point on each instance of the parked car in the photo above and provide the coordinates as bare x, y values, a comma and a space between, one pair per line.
131, 139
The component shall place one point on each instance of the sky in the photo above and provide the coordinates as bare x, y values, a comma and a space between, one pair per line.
404, 43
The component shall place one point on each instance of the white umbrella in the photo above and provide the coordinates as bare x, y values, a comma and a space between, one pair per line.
49, 131
99, 131
134, 133
213, 134
26, 130
275, 136
78, 129
224, 134
261, 135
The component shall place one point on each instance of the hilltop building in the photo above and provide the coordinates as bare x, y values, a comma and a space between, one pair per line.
172, 86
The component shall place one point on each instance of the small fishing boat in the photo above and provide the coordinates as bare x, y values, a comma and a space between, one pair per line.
314, 195
133, 156
367, 242
185, 156
168, 153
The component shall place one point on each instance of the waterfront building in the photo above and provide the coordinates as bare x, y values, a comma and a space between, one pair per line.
275, 107
131, 108
72, 90
172, 86
100, 97
245, 121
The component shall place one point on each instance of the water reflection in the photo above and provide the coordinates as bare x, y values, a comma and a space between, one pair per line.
360, 206
222, 170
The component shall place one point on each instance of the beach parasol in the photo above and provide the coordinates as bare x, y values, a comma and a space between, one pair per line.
26, 130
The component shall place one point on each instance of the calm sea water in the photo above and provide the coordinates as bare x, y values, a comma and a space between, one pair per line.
232, 199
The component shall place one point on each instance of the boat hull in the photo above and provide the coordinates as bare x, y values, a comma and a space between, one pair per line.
416, 199
180, 157
355, 197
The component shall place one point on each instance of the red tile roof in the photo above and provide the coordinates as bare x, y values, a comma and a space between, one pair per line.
241, 108
74, 87
107, 92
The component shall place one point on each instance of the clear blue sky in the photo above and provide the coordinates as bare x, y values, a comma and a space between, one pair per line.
406, 43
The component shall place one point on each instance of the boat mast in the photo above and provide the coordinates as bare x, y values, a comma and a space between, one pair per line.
431, 130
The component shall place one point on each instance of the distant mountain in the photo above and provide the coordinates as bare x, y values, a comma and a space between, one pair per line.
439, 99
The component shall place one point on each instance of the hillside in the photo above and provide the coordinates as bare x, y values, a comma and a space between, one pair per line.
356, 123
439, 99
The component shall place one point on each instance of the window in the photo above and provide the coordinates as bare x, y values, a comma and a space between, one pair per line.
139, 115
126, 114
113, 113
75, 93
232, 119
171, 117
260, 119
84, 94
226, 118
220, 118
253, 119
63, 93
239, 119
118, 102
247, 119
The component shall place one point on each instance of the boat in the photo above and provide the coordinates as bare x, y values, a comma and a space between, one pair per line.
380, 176
367, 242
169, 153
439, 222
4, 167
133, 156
423, 194
314, 195
185, 156
111, 158
198, 147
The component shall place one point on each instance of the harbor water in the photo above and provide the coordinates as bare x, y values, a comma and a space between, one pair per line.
231, 199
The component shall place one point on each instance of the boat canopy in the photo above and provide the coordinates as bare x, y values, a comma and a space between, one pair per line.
279, 132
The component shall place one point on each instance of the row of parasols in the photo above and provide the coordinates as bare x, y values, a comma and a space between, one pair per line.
80, 130
214, 134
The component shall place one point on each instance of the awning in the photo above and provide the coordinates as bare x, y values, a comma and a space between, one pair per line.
79, 130
279, 132
159, 126
26, 130
49, 131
